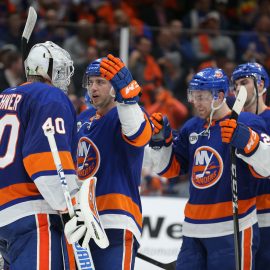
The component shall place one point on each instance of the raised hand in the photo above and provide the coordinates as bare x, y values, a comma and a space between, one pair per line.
127, 90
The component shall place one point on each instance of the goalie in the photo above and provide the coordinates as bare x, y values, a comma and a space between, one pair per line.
31, 195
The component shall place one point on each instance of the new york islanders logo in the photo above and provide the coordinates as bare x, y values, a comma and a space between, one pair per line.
207, 167
88, 158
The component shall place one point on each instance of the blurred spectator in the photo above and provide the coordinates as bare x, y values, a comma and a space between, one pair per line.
136, 26
207, 44
173, 74
263, 7
13, 31
182, 42
164, 43
104, 38
106, 9
247, 14
82, 10
91, 55
166, 104
255, 45
50, 29
196, 14
77, 44
145, 69
221, 6
155, 14
11, 72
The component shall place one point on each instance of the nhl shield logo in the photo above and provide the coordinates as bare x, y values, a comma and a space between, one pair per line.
88, 158
193, 138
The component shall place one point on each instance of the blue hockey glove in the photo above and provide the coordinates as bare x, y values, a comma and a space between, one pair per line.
127, 90
240, 136
162, 131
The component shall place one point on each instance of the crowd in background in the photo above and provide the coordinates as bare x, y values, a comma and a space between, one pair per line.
170, 40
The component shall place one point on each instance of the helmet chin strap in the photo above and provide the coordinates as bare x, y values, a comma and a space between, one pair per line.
112, 92
206, 132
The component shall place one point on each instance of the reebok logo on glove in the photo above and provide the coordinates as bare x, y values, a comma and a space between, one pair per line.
127, 90
252, 143
132, 90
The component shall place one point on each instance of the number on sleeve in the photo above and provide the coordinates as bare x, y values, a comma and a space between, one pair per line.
59, 125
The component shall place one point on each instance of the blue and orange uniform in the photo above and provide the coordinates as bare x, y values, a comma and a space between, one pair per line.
31, 195
263, 206
208, 225
116, 160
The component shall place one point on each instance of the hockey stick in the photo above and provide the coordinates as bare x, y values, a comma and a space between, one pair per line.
28, 29
167, 266
83, 256
237, 108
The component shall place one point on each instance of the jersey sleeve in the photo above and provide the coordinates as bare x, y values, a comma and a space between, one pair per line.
37, 157
135, 124
259, 161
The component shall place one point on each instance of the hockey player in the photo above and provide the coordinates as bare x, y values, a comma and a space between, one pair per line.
111, 146
208, 241
254, 77
31, 195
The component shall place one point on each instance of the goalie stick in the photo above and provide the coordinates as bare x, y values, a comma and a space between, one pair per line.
83, 256
28, 29
237, 108
167, 266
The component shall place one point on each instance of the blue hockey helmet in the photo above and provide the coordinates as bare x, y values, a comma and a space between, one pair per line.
251, 69
93, 69
210, 79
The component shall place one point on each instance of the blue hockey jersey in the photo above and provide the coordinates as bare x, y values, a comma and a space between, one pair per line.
29, 181
116, 161
263, 198
206, 159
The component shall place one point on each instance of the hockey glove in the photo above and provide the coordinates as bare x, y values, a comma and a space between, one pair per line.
127, 90
86, 224
240, 136
162, 131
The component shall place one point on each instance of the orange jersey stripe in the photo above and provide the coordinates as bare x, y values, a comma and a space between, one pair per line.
128, 250
144, 137
44, 242
17, 191
174, 169
71, 258
247, 244
218, 210
263, 201
119, 202
44, 162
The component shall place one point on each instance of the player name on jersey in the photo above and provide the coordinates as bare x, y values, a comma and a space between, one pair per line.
10, 101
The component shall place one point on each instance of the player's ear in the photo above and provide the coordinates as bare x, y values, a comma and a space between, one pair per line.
221, 96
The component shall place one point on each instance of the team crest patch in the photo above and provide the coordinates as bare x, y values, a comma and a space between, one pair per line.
207, 167
218, 74
88, 158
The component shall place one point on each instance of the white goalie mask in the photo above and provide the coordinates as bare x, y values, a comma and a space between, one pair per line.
51, 62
